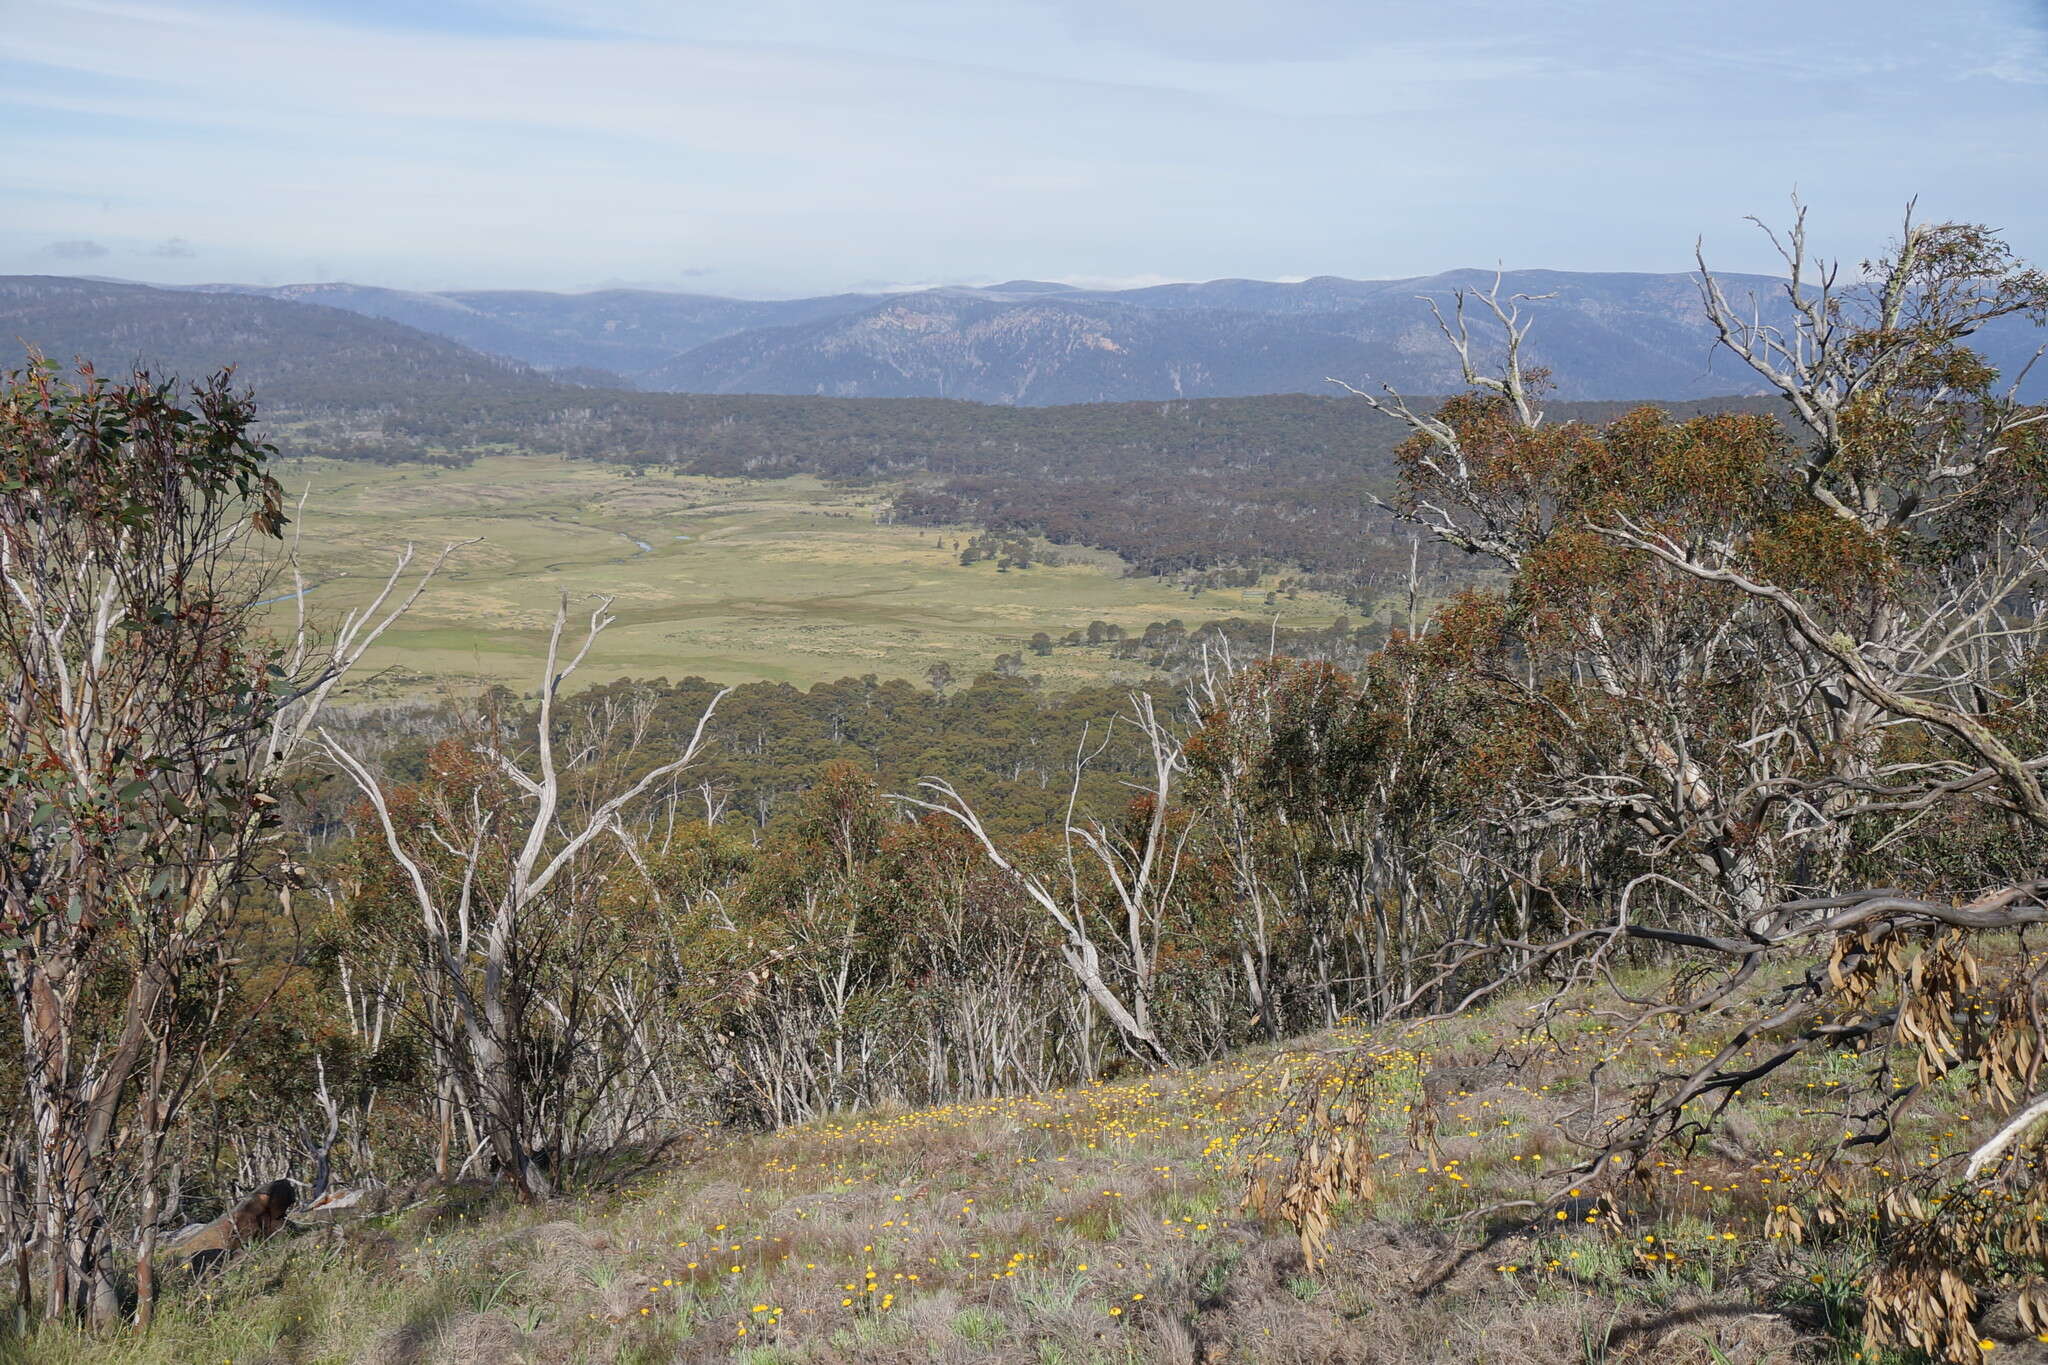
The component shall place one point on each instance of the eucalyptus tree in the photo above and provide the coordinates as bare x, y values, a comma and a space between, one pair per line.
1138, 860
151, 729
1786, 675
494, 853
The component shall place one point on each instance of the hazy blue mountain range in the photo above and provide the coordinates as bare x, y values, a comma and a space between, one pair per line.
1032, 342
1603, 336
306, 359
624, 331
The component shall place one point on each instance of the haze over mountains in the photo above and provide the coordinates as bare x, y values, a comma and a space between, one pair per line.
1604, 336
1029, 342
299, 358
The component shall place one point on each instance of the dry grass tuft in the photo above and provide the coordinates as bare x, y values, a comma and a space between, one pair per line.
1098, 1224
480, 1339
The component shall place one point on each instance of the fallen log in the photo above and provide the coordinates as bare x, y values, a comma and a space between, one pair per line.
204, 1245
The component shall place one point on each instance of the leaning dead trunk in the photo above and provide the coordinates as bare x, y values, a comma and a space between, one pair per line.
1139, 868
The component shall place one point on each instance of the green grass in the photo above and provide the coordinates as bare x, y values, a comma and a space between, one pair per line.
786, 580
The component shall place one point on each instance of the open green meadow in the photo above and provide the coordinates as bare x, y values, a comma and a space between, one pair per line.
787, 580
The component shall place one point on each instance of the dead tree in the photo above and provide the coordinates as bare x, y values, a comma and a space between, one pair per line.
259, 1216
480, 864
1879, 573
1140, 867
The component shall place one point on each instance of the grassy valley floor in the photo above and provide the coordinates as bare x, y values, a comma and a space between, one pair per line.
784, 580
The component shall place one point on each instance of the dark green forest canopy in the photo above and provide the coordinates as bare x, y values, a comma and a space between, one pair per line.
1283, 480
1006, 740
1280, 481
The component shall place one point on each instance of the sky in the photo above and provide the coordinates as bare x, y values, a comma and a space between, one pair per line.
768, 148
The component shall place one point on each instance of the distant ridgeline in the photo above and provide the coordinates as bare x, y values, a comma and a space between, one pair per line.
1200, 484
1605, 335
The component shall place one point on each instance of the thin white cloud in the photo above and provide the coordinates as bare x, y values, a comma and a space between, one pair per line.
802, 144
2022, 60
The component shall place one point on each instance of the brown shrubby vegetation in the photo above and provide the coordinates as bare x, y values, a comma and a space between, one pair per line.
1668, 892
1743, 686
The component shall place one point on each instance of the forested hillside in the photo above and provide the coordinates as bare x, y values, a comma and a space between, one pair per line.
1283, 481
1605, 336
626, 332
314, 360
1670, 886
1004, 736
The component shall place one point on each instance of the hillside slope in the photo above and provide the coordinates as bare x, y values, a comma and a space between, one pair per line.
299, 358
1605, 335
1103, 1224
956, 344
625, 331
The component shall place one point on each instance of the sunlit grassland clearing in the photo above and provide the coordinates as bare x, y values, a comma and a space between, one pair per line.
1103, 1224
738, 580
